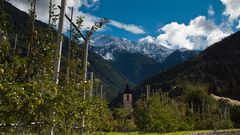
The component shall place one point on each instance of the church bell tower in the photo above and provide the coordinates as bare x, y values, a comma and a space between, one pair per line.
127, 98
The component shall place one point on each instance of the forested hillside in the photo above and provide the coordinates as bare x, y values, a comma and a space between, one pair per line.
135, 66
217, 67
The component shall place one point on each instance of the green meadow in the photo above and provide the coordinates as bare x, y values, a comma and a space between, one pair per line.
171, 133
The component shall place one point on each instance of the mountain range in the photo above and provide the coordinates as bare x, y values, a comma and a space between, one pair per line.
106, 46
138, 60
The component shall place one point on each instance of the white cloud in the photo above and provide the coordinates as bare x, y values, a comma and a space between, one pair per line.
42, 6
232, 9
42, 9
148, 39
211, 11
89, 3
128, 27
42, 13
198, 34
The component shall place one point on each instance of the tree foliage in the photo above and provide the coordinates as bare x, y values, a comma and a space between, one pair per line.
191, 109
159, 114
28, 93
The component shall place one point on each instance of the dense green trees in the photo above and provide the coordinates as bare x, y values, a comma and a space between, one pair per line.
209, 113
29, 97
191, 109
123, 120
159, 114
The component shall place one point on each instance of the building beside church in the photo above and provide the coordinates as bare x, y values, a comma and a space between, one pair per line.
127, 98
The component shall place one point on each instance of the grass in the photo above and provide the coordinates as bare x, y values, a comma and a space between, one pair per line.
172, 133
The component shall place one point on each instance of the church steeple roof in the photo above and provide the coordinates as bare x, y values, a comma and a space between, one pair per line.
127, 90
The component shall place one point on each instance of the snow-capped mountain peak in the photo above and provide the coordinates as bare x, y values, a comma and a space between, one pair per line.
106, 46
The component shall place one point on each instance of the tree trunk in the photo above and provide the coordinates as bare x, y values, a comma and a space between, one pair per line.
29, 54
15, 44
69, 48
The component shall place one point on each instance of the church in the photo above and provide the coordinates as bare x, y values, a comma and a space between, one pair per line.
127, 98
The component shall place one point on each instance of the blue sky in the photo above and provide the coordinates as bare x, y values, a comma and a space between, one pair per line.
191, 24
201, 22
152, 14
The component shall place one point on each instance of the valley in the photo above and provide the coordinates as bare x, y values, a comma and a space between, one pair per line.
65, 69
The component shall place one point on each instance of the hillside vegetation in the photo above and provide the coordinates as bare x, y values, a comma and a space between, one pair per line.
217, 67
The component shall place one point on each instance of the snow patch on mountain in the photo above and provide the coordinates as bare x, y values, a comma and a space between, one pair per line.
108, 56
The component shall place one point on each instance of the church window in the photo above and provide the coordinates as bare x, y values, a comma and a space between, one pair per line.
128, 97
